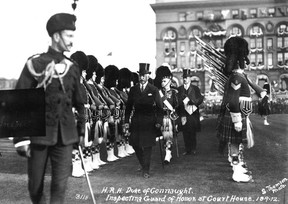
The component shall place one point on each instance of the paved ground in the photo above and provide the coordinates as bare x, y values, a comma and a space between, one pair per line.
205, 178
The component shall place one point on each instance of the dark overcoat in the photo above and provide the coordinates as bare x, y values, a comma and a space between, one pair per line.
147, 111
62, 92
195, 98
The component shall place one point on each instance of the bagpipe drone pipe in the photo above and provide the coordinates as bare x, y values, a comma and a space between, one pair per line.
214, 63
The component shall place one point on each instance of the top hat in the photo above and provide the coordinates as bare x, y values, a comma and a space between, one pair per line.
144, 68
161, 73
187, 73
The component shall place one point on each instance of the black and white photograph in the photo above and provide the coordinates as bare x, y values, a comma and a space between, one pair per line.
144, 101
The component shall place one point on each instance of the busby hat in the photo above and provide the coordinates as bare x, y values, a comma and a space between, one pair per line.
124, 79
99, 73
59, 22
81, 59
186, 73
236, 50
161, 73
93, 63
111, 76
144, 68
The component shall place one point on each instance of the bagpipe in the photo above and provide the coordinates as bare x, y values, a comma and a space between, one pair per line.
214, 63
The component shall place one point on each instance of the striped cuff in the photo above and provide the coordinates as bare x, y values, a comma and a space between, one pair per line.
22, 143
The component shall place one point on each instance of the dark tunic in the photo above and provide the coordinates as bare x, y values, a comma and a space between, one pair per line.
236, 89
195, 98
147, 112
62, 92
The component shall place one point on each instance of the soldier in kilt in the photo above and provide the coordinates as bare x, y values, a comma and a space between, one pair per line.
234, 126
264, 103
108, 125
95, 136
169, 98
124, 83
111, 80
81, 60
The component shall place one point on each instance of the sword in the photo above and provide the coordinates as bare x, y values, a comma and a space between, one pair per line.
175, 137
86, 174
159, 139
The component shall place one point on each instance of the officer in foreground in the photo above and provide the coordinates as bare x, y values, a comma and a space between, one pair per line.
60, 78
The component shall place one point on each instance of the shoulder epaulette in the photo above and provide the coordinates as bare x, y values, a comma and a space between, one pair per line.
35, 56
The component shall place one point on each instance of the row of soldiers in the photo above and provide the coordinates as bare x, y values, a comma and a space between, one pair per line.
105, 92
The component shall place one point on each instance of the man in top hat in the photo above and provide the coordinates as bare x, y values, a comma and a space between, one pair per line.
146, 119
60, 78
189, 98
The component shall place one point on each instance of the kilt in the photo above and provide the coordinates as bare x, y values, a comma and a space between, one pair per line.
226, 131
264, 107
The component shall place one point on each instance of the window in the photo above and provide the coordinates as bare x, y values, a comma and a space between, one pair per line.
182, 16
193, 45
271, 12
253, 43
279, 42
259, 42
218, 43
235, 14
253, 13
199, 62
282, 45
192, 62
183, 62
199, 15
286, 42
253, 60
280, 58
256, 45
195, 32
270, 59
182, 47
260, 59
236, 31
182, 55
269, 43
170, 49
286, 58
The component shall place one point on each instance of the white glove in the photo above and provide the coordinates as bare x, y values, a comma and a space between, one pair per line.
238, 126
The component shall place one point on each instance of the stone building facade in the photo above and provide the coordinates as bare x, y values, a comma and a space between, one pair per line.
263, 23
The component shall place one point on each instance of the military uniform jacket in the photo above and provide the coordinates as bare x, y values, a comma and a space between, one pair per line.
195, 98
171, 97
236, 99
148, 111
61, 80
